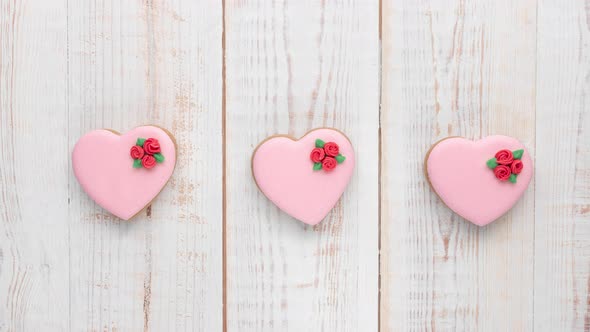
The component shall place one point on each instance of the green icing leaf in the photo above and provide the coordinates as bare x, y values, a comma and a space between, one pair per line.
159, 157
518, 153
492, 163
137, 163
319, 143
512, 178
140, 141
340, 158
317, 166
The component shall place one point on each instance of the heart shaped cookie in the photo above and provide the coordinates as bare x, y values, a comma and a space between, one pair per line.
306, 177
124, 173
479, 180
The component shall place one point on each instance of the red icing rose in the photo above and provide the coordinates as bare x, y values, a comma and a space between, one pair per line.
329, 164
151, 146
516, 166
504, 157
332, 149
502, 172
148, 161
137, 152
317, 155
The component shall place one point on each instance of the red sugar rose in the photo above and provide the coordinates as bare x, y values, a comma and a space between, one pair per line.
332, 149
502, 172
317, 155
516, 166
148, 161
329, 164
136, 152
504, 157
151, 146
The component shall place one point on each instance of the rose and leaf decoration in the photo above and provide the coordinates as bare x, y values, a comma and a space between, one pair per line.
326, 156
506, 165
146, 153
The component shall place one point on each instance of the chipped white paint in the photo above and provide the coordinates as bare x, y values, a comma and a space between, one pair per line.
460, 67
293, 66
562, 205
473, 68
68, 67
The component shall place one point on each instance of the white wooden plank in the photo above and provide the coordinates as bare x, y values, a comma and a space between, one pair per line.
464, 68
34, 249
292, 66
562, 233
150, 62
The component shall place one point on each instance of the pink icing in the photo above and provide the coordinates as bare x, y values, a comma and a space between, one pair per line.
104, 168
466, 184
283, 171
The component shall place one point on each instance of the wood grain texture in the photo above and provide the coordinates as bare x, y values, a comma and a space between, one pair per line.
34, 170
293, 66
458, 68
562, 200
150, 62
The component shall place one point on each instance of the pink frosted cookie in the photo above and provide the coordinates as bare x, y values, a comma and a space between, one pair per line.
479, 180
306, 177
124, 173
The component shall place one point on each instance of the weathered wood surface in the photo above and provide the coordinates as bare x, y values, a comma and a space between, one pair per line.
34, 173
70, 67
395, 75
454, 69
562, 195
291, 67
